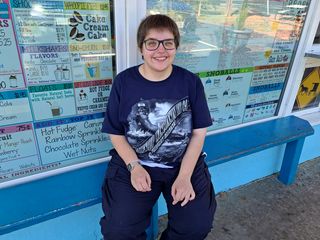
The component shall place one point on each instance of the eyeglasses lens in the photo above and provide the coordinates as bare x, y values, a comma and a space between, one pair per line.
153, 44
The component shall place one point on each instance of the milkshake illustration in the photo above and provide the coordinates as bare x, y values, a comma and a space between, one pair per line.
62, 73
58, 73
66, 73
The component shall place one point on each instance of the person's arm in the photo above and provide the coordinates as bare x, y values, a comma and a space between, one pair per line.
182, 189
140, 178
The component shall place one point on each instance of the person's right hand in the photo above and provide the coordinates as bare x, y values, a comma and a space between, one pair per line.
140, 179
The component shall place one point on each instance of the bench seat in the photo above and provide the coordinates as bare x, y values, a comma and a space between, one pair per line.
229, 145
236, 143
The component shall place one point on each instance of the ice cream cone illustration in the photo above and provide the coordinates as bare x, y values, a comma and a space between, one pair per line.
92, 70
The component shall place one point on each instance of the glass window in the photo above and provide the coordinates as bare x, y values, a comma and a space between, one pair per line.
241, 49
308, 95
56, 69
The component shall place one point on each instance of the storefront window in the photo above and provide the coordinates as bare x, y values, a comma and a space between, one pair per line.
56, 70
308, 96
309, 91
242, 50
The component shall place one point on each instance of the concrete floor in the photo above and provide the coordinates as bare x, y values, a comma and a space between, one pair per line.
268, 210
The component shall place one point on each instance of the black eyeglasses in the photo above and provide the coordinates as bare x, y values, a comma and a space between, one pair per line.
153, 44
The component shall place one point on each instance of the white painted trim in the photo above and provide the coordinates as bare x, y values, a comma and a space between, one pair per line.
312, 30
313, 118
120, 34
304, 111
50, 173
136, 11
293, 85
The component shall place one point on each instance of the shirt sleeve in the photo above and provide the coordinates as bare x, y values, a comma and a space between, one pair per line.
111, 123
200, 112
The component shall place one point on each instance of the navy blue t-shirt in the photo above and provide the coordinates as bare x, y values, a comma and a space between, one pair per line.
157, 118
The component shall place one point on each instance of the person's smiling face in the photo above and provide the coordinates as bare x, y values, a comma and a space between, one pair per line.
161, 59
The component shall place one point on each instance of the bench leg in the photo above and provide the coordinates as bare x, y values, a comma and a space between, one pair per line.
290, 161
153, 229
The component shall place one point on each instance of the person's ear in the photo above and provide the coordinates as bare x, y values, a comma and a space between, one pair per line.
141, 53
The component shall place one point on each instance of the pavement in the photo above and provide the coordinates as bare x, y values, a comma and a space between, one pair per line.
269, 210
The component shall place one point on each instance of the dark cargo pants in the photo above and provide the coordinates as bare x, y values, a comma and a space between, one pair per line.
128, 212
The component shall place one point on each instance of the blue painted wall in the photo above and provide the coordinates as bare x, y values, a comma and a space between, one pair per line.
39, 201
78, 225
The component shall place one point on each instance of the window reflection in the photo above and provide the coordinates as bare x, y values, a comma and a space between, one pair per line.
241, 49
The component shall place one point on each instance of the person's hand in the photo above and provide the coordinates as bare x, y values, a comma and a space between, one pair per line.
140, 179
182, 190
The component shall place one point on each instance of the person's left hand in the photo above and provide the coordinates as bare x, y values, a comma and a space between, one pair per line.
182, 190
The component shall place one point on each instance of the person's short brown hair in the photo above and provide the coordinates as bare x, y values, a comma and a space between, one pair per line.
158, 22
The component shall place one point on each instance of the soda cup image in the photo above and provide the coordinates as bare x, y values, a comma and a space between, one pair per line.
58, 73
13, 81
55, 109
66, 73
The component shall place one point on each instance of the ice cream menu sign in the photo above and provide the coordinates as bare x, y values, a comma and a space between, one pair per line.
55, 79
18, 151
10, 69
226, 92
90, 39
71, 138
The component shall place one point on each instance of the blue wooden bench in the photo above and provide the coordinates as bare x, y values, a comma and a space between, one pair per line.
226, 146
64, 193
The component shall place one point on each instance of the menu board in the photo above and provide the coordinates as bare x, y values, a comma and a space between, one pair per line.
55, 78
10, 69
242, 51
226, 92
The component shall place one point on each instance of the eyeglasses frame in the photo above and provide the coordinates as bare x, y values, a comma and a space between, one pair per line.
160, 42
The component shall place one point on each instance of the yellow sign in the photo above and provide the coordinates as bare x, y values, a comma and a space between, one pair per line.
309, 88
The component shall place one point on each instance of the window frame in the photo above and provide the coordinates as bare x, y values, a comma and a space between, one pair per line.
311, 23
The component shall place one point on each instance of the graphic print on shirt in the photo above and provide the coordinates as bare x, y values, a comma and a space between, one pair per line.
160, 130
